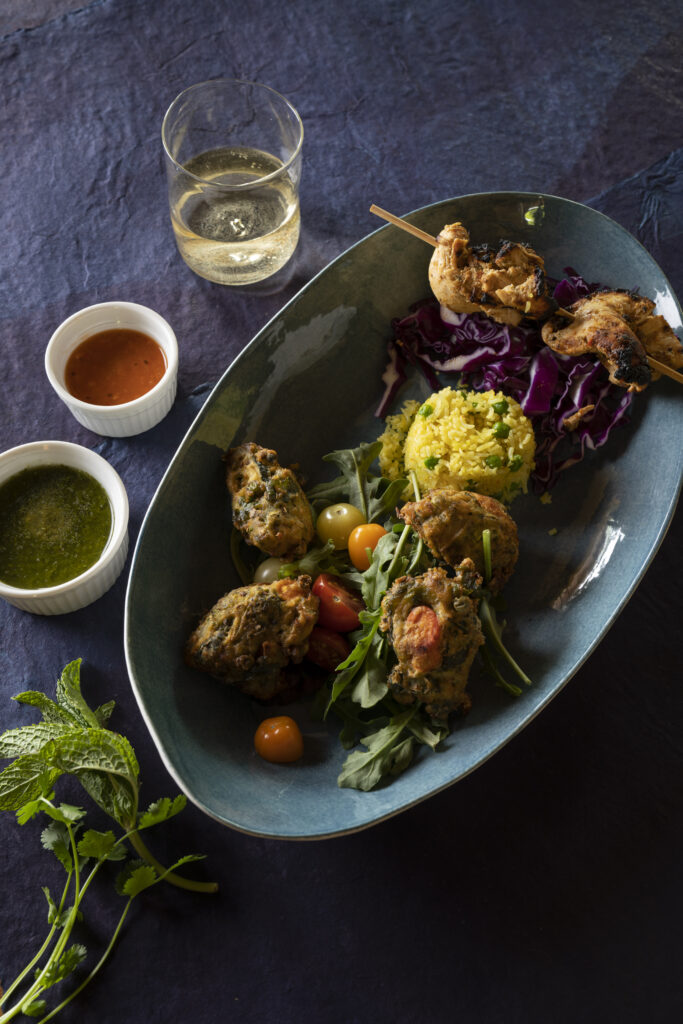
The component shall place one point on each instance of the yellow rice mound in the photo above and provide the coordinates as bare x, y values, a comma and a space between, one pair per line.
456, 438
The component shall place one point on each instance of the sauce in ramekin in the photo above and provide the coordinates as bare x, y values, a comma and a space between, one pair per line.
114, 366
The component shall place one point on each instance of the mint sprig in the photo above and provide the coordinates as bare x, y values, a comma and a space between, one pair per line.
73, 740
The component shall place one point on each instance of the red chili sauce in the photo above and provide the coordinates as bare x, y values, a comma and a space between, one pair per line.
113, 367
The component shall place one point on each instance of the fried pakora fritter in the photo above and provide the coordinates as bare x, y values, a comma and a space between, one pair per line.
451, 522
506, 283
433, 627
253, 633
269, 508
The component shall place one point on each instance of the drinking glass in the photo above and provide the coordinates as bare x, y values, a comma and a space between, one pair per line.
233, 163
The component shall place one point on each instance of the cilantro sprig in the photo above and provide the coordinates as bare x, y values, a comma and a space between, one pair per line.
73, 739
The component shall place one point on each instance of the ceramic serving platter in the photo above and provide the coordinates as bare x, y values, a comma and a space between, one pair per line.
309, 383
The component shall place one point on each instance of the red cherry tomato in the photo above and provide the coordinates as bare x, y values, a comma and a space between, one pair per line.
327, 649
339, 605
279, 740
363, 537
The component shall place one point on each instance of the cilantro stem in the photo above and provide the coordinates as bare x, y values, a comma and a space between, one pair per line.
169, 876
48, 939
100, 963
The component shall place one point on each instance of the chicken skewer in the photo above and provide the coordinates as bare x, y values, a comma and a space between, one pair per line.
628, 359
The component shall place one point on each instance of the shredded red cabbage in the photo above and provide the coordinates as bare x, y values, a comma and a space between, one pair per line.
488, 356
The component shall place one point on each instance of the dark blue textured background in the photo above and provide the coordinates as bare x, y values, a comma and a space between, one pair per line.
545, 887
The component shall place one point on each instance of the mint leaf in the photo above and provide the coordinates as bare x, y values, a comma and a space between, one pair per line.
29, 739
69, 695
104, 711
51, 712
25, 779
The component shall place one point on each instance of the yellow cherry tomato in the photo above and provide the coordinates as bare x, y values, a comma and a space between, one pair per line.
279, 740
362, 538
336, 522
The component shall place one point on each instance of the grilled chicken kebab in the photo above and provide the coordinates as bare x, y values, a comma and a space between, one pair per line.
621, 330
506, 284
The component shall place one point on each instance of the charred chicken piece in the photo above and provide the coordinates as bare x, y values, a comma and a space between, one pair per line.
269, 508
253, 633
506, 284
433, 626
622, 330
601, 329
451, 522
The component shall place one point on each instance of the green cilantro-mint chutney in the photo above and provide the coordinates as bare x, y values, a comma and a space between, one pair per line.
54, 524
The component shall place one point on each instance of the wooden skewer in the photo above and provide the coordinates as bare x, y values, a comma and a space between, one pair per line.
399, 223
431, 240
666, 370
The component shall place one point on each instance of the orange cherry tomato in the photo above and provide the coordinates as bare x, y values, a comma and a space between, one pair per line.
365, 536
279, 740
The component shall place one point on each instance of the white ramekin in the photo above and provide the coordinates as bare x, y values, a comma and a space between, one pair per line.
95, 581
130, 417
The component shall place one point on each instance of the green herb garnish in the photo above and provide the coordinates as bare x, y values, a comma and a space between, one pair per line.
72, 739
432, 461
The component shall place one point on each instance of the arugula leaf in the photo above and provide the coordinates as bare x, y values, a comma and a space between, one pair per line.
370, 683
386, 754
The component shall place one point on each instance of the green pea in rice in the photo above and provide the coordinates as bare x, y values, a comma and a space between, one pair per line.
471, 440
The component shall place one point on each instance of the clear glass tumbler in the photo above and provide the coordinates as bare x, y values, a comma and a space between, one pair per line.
233, 163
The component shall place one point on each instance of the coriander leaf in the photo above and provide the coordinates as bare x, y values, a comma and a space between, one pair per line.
161, 810
135, 877
25, 779
69, 695
56, 838
65, 965
100, 846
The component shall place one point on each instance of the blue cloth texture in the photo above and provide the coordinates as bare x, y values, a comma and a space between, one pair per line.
547, 885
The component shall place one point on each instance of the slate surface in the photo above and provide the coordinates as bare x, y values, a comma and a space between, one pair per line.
547, 885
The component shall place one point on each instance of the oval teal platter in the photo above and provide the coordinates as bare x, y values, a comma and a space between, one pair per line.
309, 383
